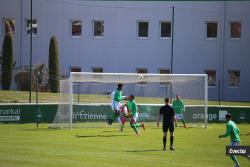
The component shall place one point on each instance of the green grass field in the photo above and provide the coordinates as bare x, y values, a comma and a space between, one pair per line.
24, 145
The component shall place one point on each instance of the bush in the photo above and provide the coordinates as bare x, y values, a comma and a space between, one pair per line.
53, 65
22, 78
7, 62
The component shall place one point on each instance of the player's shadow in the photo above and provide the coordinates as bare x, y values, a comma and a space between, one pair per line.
87, 136
245, 134
35, 129
135, 151
112, 131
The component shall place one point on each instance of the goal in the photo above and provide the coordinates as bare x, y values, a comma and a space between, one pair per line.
86, 97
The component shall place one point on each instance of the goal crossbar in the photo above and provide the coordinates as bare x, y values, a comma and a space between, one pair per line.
131, 77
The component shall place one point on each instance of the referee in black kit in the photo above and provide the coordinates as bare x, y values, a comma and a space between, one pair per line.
168, 123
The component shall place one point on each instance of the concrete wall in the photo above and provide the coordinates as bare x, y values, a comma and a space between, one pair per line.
121, 51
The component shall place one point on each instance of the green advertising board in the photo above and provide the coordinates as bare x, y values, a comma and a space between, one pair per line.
45, 113
27, 113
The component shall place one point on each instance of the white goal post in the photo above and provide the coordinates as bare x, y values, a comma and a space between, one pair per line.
149, 90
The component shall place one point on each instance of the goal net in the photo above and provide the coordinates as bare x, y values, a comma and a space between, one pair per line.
86, 97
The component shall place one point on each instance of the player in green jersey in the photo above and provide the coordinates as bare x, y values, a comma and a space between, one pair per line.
133, 113
234, 133
179, 109
116, 105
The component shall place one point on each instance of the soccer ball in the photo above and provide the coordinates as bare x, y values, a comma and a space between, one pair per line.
140, 77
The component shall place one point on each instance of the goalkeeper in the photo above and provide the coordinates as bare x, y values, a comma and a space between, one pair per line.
179, 109
116, 105
133, 114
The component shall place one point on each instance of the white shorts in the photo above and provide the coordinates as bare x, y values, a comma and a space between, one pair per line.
179, 116
134, 118
125, 110
115, 105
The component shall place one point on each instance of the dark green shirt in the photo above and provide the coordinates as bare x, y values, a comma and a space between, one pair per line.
132, 107
178, 106
232, 131
118, 95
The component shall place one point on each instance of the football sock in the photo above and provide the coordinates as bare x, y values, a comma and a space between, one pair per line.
183, 121
123, 119
138, 125
171, 141
119, 120
134, 128
234, 159
113, 116
164, 141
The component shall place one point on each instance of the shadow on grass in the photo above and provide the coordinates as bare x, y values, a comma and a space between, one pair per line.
114, 131
37, 129
245, 134
87, 136
135, 151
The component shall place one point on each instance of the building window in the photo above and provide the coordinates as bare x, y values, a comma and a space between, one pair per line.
234, 78
97, 76
235, 29
211, 77
34, 27
142, 71
97, 69
165, 29
212, 29
142, 29
98, 28
9, 25
76, 28
75, 69
164, 71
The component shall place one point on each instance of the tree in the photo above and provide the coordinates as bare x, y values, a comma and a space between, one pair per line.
7, 62
53, 65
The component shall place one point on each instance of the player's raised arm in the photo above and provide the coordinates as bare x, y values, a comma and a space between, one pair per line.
124, 97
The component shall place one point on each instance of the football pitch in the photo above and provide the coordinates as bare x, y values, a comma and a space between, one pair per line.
24, 145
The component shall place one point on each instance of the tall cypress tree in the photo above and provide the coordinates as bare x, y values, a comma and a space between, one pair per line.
53, 65
7, 62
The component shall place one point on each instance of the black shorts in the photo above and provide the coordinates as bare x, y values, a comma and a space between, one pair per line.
168, 126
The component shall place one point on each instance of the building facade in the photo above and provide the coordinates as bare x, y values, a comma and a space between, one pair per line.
138, 36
